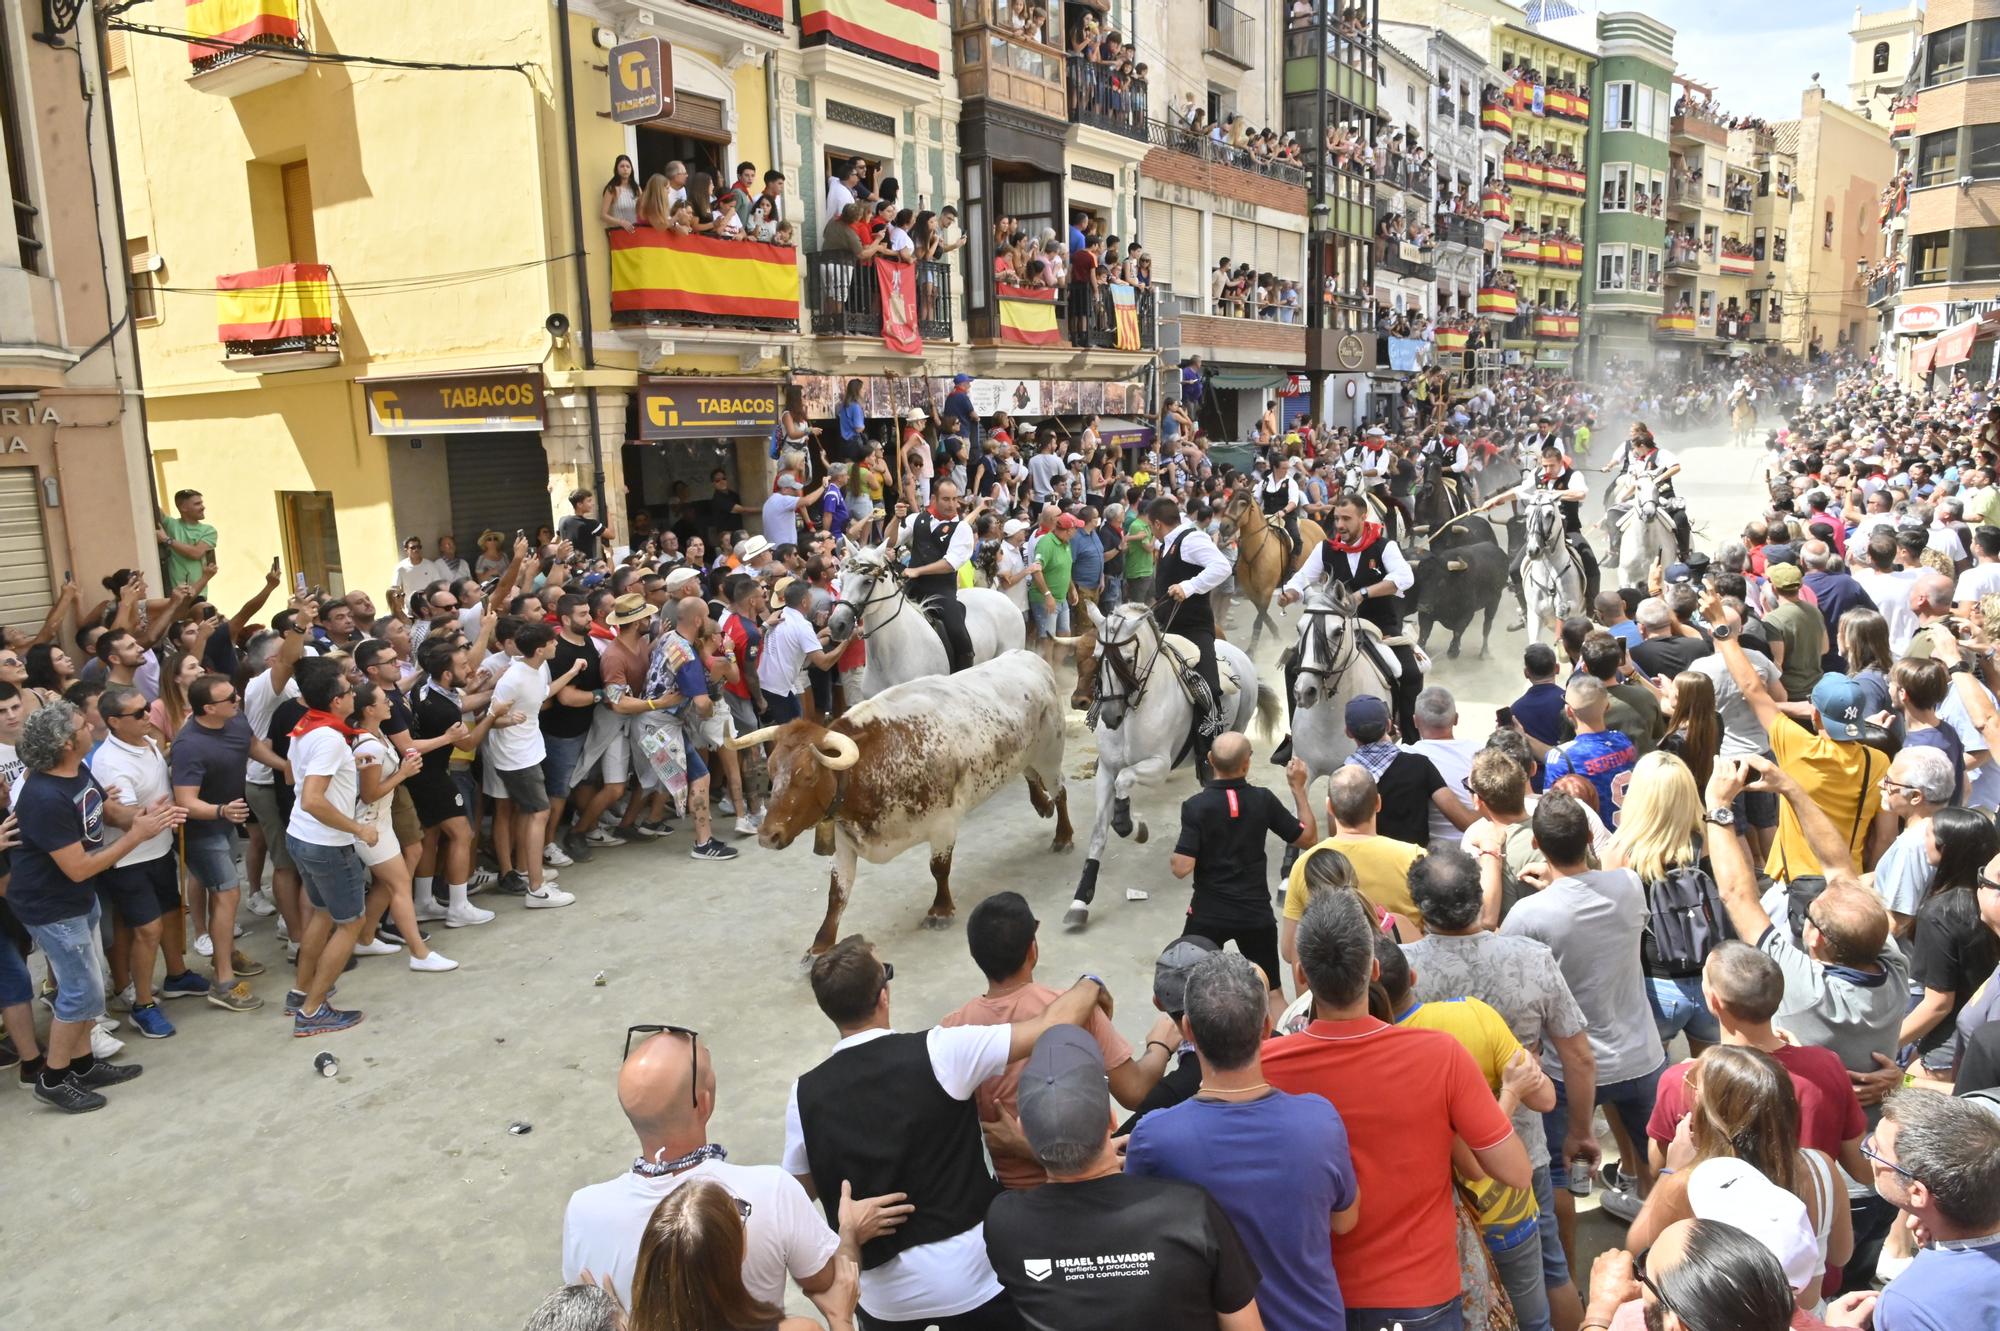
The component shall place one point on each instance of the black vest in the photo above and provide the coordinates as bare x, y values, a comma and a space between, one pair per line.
1274, 501
1572, 510
1384, 612
1194, 617
875, 1115
930, 537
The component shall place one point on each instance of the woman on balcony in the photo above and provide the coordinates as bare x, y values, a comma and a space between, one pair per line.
620, 204
701, 198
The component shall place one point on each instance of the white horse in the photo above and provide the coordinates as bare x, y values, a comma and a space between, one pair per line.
1144, 719
1551, 579
1333, 669
1646, 531
902, 643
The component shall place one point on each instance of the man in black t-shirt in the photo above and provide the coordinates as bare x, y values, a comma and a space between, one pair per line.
438, 723
1170, 977
1222, 844
581, 528
1095, 1246
566, 722
1410, 783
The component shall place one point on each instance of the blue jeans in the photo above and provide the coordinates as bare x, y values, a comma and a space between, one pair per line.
1631, 1100
76, 963
1520, 1265
559, 755
335, 879
209, 858
1440, 1317
1555, 1262
1678, 1006
16, 987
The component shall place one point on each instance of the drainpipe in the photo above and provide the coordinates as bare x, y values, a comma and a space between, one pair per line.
585, 332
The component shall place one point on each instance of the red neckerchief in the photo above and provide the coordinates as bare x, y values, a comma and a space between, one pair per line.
602, 632
1370, 533
315, 719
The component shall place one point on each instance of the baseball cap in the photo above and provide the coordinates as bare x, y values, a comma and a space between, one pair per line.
1064, 1096
788, 482
1367, 710
1170, 972
1784, 576
1679, 573
1840, 703
961, 378
681, 576
1013, 527
1731, 1191
1069, 521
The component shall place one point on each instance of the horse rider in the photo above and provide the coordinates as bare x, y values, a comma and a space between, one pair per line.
1189, 567
1359, 556
1371, 461
1279, 495
1653, 463
940, 543
1454, 458
1558, 475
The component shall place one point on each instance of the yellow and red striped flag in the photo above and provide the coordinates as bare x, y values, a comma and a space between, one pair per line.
903, 31
266, 304
1125, 303
231, 22
1027, 316
666, 271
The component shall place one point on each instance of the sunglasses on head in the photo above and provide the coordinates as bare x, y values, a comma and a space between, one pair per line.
649, 1030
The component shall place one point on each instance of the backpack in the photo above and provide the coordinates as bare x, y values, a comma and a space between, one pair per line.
1686, 921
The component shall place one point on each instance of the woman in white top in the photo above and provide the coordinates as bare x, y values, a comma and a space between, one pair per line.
620, 205
378, 771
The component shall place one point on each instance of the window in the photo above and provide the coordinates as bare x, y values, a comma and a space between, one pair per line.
1757, 244
1986, 48
1879, 64
1711, 240
1778, 247
312, 542
1705, 307
13, 146
1937, 158
1981, 259
303, 243
1826, 232
1930, 258
1619, 105
1983, 153
144, 267
1757, 308
1646, 119
1611, 268
1944, 56
1617, 194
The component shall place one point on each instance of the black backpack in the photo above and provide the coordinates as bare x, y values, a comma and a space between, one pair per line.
1687, 921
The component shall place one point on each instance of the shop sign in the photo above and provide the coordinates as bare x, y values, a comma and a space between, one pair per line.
16, 415
707, 408
1926, 317
482, 402
642, 80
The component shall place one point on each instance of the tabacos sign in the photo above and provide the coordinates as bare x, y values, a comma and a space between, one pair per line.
642, 80
707, 408
476, 403
1925, 317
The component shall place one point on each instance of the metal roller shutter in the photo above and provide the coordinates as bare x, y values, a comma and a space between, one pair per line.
1190, 278
499, 481
25, 591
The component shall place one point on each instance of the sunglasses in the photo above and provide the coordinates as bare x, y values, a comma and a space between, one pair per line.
1869, 1152
1639, 1270
126, 716
649, 1030
1989, 884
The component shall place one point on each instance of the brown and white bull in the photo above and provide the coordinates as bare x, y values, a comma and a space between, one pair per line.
909, 764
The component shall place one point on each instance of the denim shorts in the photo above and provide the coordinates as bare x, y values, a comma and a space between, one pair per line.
76, 963
16, 988
335, 879
1631, 1100
1049, 623
1678, 1006
210, 861
559, 757
263, 802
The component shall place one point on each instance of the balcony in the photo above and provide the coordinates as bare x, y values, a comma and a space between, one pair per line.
1232, 34
1407, 174
1902, 117
662, 279
1405, 260
1446, 108
1522, 249
1554, 326
278, 318
1499, 302
1467, 118
1160, 134
1678, 324
1103, 101
1497, 118
1684, 258
1551, 176
1736, 265
1683, 194
766, 14
1003, 64
1347, 51
1496, 202
1737, 199
1733, 326
846, 297
1561, 252
1697, 128
1886, 285
1453, 229
246, 47
1571, 106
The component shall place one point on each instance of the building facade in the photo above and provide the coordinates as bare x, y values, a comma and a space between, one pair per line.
1632, 89
1843, 162
1880, 49
1547, 91
72, 438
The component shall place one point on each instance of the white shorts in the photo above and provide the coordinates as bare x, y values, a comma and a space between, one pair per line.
386, 847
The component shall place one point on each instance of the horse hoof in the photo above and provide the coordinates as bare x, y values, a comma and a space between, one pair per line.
1061, 846
806, 961
1452, 651
1121, 817
1076, 917
937, 921
1141, 832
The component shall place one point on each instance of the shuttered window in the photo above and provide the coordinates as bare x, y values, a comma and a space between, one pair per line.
304, 245
26, 593
499, 481
1173, 235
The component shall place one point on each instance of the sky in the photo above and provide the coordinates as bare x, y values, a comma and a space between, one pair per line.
1759, 55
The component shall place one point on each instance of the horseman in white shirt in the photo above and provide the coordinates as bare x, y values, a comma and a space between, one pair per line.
1359, 556
1189, 568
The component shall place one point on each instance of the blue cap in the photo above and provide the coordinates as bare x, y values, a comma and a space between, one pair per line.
1678, 573
1841, 705
961, 378
1365, 711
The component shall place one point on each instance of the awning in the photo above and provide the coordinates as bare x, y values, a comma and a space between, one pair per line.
1245, 381
1921, 357
1125, 433
1955, 343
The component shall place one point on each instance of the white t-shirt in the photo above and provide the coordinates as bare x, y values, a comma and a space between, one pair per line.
412, 578
781, 520
386, 763
260, 704
786, 1233
1891, 594
1977, 581
1010, 563
140, 774
951, 1276
12, 769
518, 747
1453, 759
323, 752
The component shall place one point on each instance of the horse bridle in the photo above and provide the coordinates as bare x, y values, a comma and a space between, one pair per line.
892, 573
1129, 677
1310, 617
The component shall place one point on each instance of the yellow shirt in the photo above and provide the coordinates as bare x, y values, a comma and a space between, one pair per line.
1834, 776
1485, 1035
1381, 871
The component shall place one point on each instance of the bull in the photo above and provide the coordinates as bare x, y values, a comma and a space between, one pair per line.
909, 764
1454, 585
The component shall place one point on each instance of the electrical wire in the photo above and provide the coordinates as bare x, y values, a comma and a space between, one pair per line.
390, 286
273, 51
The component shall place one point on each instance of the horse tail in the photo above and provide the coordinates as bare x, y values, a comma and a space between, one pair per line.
1270, 711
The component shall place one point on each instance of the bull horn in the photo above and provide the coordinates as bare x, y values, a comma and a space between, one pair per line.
1069, 642
845, 753
1455, 565
753, 739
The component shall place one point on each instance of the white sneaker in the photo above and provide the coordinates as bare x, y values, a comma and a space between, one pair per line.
428, 909
555, 855
726, 806
746, 827
203, 946
548, 898
549, 873
102, 1045
261, 904
602, 836
458, 917
238, 933
284, 933
381, 947
291, 953
107, 1024
125, 998
436, 961
481, 878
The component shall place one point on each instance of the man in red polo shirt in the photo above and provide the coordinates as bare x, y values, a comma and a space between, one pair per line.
1400, 1263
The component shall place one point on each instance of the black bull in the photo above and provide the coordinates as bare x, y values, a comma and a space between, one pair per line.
1462, 577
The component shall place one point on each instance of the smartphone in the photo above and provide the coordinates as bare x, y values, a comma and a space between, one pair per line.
299, 581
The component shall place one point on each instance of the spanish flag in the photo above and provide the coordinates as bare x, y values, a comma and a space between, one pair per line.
1450, 340
1498, 301
1028, 317
903, 32
661, 271
1125, 303
288, 300
231, 22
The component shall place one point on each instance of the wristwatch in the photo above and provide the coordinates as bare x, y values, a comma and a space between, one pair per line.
1721, 632
1722, 817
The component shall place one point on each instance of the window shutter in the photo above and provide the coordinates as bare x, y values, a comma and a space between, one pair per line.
297, 181
1190, 280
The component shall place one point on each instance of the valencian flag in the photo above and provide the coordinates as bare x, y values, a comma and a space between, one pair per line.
664, 270
898, 282
904, 32
1027, 316
232, 22
268, 304
1125, 304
